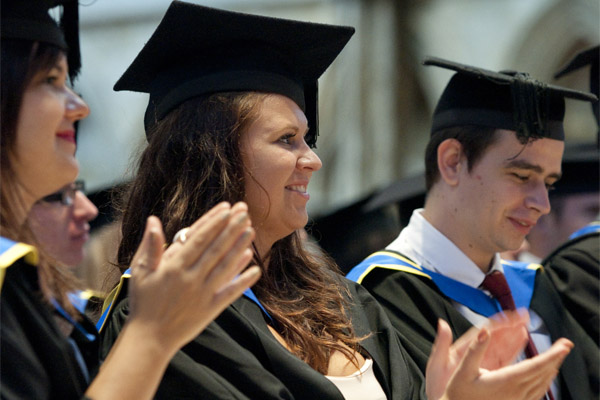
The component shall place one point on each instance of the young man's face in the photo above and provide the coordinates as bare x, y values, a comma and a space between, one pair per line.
506, 192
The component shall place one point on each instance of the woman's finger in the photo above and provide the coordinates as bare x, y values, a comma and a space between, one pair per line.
213, 212
199, 238
233, 262
200, 222
234, 289
237, 230
149, 253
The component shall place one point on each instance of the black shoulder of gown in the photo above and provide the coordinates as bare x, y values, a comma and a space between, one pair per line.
37, 360
574, 269
414, 304
237, 357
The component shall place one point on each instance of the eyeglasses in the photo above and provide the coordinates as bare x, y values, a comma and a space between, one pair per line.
66, 195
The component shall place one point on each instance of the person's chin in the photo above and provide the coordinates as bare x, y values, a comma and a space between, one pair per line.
302, 221
295, 226
74, 260
65, 171
511, 246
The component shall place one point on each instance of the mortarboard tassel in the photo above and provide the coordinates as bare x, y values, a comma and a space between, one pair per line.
529, 112
69, 24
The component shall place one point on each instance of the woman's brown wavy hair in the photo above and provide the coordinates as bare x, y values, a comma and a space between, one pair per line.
192, 163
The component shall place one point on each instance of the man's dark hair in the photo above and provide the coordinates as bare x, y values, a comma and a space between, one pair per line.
474, 139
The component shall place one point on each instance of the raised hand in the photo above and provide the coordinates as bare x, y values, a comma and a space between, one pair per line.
179, 291
174, 294
528, 379
508, 331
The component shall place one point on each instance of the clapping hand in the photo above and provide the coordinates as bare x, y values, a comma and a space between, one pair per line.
479, 365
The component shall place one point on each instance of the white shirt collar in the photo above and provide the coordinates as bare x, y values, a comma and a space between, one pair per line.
427, 246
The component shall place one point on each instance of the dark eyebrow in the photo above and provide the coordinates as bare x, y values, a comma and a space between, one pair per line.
291, 127
58, 67
522, 164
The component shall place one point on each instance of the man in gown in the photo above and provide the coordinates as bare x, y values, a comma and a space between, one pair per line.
495, 149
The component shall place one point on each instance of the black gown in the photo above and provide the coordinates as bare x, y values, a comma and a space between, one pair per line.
237, 356
574, 269
37, 361
414, 304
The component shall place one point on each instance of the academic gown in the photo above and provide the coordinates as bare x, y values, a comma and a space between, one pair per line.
36, 359
237, 356
574, 269
414, 304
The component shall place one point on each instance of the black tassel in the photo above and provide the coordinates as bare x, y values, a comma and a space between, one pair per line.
69, 24
529, 107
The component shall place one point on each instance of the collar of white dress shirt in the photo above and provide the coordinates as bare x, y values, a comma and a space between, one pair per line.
424, 244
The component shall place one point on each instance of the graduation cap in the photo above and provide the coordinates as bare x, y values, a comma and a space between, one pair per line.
198, 50
502, 100
30, 20
350, 233
580, 170
587, 57
407, 194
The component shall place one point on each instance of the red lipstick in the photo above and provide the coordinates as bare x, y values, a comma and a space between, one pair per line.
69, 136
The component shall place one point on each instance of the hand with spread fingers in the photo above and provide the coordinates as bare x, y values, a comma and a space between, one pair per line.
457, 373
176, 292
181, 290
508, 337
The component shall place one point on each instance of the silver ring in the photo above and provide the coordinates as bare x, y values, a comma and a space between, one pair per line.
181, 235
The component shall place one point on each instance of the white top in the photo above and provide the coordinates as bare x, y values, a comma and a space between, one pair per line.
424, 244
361, 385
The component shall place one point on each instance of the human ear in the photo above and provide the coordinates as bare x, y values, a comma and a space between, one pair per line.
449, 160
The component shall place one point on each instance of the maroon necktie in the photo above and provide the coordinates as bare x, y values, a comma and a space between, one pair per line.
496, 284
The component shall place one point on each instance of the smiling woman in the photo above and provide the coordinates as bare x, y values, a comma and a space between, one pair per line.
239, 123
44, 158
278, 167
49, 349
38, 108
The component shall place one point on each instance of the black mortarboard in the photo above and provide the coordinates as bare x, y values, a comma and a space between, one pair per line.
29, 20
587, 57
503, 100
407, 194
580, 170
349, 234
198, 50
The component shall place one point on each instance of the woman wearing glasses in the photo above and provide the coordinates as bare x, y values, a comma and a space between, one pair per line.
49, 349
60, 223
